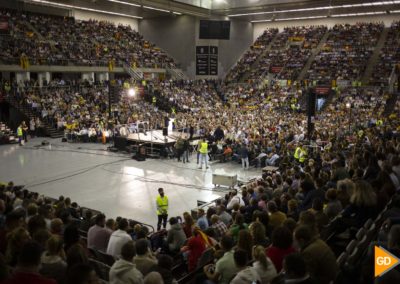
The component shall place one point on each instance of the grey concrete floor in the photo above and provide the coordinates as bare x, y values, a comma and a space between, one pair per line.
112, 182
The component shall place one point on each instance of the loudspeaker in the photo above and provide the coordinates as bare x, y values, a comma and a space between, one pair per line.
311, 102
120, 143
165, 131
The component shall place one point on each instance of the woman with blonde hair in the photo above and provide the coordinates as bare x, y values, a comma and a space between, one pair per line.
363, 205
53, 263
258, 233
263, 265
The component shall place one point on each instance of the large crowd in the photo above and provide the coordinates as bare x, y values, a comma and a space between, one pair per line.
343, 178
346, 52
272, 231
388, 57
53, 40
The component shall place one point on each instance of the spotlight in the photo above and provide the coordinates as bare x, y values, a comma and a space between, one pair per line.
131, 92
348, 105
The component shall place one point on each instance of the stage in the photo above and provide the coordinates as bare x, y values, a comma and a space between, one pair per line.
113, 183
156, 137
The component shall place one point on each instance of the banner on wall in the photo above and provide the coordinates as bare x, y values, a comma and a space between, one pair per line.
214, 60
276, 69
202, 60
207, 60
4, 26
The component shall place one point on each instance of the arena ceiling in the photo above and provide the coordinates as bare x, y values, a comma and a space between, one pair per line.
246, 10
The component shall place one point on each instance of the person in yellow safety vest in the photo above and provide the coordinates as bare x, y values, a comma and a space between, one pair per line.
154, 100
7, 87
302, 155
297, 153
162, 209
379, 122
173, 110
20, 134
203, 153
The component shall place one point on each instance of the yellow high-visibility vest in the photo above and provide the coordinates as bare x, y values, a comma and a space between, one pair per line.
297, 153
154, 100
162, 205
204, 148
19, 131
302, 156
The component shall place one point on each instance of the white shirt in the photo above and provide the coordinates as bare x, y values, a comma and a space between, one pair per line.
117, 240
234, 200
268, 274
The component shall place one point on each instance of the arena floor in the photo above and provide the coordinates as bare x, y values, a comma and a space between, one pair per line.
112, 182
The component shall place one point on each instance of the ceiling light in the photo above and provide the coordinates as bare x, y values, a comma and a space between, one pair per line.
177, 13
157, 9
358, 14
382, 3
123, 2
83, 8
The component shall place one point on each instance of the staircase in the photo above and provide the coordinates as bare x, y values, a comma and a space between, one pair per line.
176, 73
373, 60
34, 30
30, 113
314, 53
133, 72
246, 75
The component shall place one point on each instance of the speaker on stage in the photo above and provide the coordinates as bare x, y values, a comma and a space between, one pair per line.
165, 131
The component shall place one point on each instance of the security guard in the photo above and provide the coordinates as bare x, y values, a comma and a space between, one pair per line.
162, 209
297, 153
154, 100
302, 155
20, 134
203, 153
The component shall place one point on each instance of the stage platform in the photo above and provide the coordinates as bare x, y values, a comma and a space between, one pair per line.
113, 183
156, 137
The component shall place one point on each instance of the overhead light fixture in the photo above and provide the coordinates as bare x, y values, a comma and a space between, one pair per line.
157, 9
289, 19
381, 3
177, 13
123, 2
358, 14
82, 8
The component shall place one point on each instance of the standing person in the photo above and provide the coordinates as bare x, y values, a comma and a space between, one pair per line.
244, 154
20, 134
186, 146
32, 127
38, 126
162, 209
24, 131
179, 148
203, 153
198, 150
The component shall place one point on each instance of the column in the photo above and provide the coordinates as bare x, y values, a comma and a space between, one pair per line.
89, 76
22, 76
100, 77
44, 76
